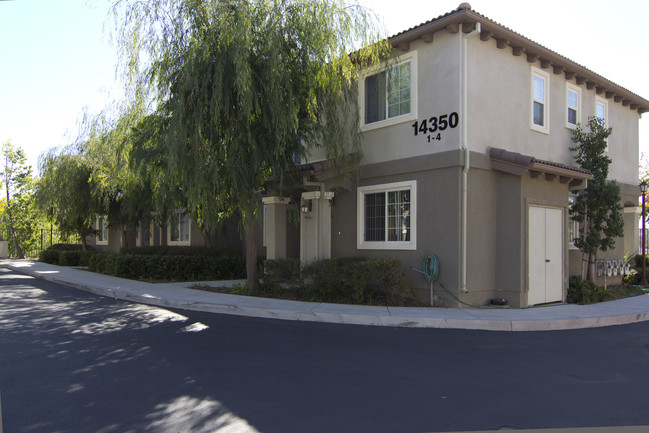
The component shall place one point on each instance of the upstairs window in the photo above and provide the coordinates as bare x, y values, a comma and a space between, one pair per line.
388, 93
601, 109
573, 106
540, 102
389, 96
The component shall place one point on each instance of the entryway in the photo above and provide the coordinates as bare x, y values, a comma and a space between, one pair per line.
545, 255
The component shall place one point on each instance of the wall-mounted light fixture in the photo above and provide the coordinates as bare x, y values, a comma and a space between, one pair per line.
306, 206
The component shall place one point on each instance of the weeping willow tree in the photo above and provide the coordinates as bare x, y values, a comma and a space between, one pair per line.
66, 193
247, 84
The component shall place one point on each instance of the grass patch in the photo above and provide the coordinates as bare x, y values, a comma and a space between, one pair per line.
265, 291
622, 291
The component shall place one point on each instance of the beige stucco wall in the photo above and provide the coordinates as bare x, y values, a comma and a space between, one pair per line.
498, 115
499, 112
438, 93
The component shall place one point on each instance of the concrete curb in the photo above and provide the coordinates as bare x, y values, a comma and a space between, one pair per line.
540, 319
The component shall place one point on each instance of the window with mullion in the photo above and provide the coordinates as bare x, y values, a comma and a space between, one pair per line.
539, 101
387, 216
540, 83
375, 217
387, 221
388, 93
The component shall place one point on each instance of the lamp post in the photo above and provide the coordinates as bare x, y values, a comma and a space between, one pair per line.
643, 189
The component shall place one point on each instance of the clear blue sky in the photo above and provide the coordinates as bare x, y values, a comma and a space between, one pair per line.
57, 58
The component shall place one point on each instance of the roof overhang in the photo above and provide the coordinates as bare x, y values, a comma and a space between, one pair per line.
463, 19
519, 164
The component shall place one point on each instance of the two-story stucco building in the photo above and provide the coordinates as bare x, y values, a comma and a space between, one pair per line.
466, 156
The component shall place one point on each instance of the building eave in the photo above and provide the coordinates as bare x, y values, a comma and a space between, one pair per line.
463, 19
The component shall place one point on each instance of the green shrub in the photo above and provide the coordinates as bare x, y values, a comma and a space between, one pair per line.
52, 254
283, 272
65, 247
49, 256
168, 267
583, 291
359, 280
69, 257
180, 251
636, 270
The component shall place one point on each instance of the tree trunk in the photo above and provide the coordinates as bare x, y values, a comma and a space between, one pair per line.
207, 239
122, 230
163, 235
84, 242
19, 251
252, 276
590, 274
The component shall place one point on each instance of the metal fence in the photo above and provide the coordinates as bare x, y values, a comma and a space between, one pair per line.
45, 238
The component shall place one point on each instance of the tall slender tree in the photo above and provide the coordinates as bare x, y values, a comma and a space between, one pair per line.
247, 85
597, 208
17, 180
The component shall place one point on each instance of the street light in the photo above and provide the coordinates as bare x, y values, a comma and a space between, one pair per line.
643, 189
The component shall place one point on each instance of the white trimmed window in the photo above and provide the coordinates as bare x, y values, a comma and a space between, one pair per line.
573, 105
387, 216
388, 96
179, 229
601, 111
540, 101
102, 230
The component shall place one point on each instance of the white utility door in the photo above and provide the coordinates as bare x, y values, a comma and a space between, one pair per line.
545, 255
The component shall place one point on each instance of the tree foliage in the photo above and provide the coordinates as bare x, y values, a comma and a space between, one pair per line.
246, 85
20, 218
66, 193
17, 183
597, 208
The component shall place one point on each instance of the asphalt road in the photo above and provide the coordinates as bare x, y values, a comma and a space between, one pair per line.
75, 362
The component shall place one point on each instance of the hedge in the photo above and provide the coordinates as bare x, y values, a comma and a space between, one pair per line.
180, 251
168, 267
52, 254
351, 280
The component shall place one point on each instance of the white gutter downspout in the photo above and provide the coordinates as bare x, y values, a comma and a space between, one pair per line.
466, 152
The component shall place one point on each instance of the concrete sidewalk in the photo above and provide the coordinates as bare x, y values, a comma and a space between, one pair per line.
179, 295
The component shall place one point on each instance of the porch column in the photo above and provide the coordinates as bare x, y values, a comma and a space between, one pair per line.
315, 226
632, 229
275, 227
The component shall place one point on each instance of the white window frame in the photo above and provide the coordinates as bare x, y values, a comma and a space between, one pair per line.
604, 103
179, 215
601, 101
389, 121
104, 234
577, 90
545, 128
360, 213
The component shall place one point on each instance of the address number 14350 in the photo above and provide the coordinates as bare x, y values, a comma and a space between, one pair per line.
436, 123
